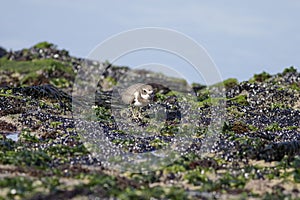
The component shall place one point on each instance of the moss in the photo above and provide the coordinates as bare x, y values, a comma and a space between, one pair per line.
17, 187
211, 102
240, 99
37, 159
230, 83
169, 130
203, 95
160, 97
157, 192
158, 143
292, 127
61, 150
295, 86
8, 93
55, 124
197, 177
278, 106
233, 181
199, 132
233, 110
61, 82
111, 81
44, 45
2, 137
289, 70
103, 114
261, 77
28, 137
125, 143
29, 78
39, 71
163, 97
175, 168
273, 127
252, 128
6, 145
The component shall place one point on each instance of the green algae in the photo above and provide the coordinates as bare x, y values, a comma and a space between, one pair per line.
273, 127
44, 45
32, 172
261, 77
39, 70
240, 99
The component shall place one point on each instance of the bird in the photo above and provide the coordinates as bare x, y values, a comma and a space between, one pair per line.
137, 95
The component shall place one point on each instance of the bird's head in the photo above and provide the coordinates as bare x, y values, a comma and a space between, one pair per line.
146, 92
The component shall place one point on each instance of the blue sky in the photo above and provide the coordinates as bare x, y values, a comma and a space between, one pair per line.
242, 37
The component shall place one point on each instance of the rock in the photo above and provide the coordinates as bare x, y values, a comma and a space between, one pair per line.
261, 122
3, 52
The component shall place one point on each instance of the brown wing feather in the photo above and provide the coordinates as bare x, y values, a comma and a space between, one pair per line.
127, 95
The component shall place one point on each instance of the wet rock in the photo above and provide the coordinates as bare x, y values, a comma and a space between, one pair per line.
3, 52
40, 51
6, 126
261, 122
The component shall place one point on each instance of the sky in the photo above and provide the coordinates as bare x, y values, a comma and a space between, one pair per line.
241, 37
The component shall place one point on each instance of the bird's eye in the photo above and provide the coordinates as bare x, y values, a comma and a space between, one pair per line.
145, 91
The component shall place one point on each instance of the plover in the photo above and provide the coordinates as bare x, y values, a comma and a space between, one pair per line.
137, 95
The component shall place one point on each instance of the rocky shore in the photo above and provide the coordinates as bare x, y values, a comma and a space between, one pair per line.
255, 154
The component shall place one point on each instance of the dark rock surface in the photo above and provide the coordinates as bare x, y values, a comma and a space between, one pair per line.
3, 52
53, 157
